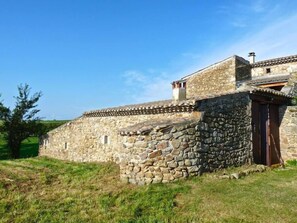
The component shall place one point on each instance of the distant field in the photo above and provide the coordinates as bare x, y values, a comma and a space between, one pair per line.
52, 124
29, 146
48, 190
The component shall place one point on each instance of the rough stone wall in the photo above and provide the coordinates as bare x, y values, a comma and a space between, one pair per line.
219, 78
275, 69
288, 132
161, 155
216, 79
226, 131
243, 69
84, 137
292, 84
220, 138
218, 135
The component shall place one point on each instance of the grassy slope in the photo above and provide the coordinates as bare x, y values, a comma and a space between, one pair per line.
47, 190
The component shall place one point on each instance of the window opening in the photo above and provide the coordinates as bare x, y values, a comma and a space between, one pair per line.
105, 139
45, 143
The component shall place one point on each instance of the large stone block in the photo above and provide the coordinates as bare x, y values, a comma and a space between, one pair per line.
155, 154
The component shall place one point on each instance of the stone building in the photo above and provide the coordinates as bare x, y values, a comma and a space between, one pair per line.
228, 114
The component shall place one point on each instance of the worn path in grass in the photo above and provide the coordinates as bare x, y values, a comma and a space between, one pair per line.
48, 190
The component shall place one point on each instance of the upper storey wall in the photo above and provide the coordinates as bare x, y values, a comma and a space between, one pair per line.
219, 78
274, 69
243, 70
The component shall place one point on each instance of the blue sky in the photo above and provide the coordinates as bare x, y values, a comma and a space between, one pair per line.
91, 54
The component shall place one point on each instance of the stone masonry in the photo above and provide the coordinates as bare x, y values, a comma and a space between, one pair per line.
276, 67
161, 147
82, 139
208, 129
219, 78
288, 132
221, 137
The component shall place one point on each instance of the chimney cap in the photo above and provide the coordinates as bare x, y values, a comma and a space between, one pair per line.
251, 54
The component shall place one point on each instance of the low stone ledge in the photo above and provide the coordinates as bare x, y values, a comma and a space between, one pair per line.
241, 172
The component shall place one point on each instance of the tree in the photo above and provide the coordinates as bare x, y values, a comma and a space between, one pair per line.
21, 122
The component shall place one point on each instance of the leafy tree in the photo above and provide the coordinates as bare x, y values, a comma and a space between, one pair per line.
21, 122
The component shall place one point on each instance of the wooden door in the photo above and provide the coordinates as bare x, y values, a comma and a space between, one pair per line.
274, 134
265, 124
256, 132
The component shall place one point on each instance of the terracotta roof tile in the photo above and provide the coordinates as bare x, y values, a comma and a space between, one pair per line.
269, 79
268, 91
156, 107
171, 106
275, 61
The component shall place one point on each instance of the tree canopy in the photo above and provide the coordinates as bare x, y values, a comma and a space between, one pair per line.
21, 122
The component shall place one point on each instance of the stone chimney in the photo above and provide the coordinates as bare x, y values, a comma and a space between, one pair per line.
252, 57
179, 90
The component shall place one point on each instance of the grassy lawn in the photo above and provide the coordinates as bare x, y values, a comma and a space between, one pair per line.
47, 190
39, 189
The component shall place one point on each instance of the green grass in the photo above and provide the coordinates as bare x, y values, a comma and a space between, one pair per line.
48, 190
45, 190
292, 162
29, 147
40, 189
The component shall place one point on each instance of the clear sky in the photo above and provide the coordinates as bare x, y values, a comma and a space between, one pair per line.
91, 54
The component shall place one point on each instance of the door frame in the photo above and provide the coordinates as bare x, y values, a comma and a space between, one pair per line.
265, 133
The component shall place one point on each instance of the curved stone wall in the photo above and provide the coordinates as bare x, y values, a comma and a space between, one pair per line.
220, 138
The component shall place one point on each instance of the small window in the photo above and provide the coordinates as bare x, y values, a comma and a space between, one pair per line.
183, 84
45, 143
105, 139
268, 70
66, 145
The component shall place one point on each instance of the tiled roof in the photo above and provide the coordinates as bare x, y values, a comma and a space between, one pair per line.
171, 106
250, 90
265, 91
156, 107
275, 61
269, 79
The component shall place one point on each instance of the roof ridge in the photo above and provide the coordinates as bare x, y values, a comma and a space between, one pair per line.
275, 61
155, 107
207, 67
269, 79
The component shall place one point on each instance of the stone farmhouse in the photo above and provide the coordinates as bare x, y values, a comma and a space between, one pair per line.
230, 113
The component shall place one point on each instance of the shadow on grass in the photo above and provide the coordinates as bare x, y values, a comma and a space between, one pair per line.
29, 148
